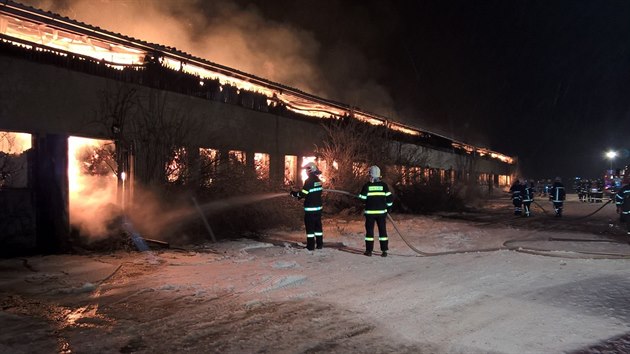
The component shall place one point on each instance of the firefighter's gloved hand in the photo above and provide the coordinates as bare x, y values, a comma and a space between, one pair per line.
295, 194
389, 210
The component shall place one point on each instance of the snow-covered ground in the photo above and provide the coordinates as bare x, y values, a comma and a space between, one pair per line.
273, 296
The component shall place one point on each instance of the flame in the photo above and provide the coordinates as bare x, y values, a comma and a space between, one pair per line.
261, 165
91, 196
14, 143
70, 42
483, 152
117, 55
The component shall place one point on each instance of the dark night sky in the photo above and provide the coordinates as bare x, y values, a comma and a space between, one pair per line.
547, 81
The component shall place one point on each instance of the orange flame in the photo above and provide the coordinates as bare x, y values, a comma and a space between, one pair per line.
14, 143
92, 196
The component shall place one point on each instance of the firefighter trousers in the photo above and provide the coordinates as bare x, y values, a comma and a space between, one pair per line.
314, 233
381, 223
557, 206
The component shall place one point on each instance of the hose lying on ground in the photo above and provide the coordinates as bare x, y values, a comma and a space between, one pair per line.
506, 244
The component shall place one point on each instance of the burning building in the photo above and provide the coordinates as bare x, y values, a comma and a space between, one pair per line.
157, 112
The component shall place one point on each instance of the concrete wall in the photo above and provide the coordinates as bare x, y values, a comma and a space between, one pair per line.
40, 98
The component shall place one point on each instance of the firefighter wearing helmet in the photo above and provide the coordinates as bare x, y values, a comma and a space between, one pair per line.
312, 194
378, 202
622, 200
557, 195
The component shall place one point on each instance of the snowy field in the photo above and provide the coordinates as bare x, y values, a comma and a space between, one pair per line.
561, 287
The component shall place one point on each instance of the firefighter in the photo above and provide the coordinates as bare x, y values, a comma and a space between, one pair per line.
312, 194
622, 200
378, 202
517, 196
583, 190
557, 195
528, 197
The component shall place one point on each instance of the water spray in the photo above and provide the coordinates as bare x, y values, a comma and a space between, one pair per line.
205, 220
141, 245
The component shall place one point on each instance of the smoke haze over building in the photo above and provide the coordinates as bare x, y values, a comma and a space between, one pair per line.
544, 81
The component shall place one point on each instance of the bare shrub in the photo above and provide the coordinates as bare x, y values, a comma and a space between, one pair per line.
238, 179
352, 146
427, 198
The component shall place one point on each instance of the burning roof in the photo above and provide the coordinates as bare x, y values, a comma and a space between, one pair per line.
25, 25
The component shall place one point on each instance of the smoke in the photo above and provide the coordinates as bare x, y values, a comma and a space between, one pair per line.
242, 38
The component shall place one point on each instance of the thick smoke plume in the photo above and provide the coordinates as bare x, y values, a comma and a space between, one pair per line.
239, 37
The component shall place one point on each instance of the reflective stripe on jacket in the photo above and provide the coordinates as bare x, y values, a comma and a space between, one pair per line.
622, 199
312, 194
377, 198
557, 193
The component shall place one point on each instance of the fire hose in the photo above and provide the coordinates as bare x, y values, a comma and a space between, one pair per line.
506, 245
600, 208
422, 253
581, 217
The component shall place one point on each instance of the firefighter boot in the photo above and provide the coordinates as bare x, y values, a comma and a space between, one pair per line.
384, 248
310, 243
369, 247
319, 240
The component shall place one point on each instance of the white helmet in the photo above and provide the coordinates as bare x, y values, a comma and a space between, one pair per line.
375, 172
310, 167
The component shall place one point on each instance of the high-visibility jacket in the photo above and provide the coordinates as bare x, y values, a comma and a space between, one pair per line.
312, 194
377, 198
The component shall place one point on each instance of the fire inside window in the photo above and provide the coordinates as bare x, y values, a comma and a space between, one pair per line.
236, 157
176, 167
209, 164
92, 182
290, 168
13, 161
261, 165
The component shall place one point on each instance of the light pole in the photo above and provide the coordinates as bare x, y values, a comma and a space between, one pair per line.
611, 156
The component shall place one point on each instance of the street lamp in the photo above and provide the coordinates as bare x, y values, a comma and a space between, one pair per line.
611, 156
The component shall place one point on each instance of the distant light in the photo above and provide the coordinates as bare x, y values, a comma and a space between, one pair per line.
611, 154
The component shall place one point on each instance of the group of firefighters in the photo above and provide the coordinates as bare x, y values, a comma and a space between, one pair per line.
378, 202
522, 195
377, 199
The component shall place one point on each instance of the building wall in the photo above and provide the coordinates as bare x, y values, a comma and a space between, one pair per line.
43, 98
40, 98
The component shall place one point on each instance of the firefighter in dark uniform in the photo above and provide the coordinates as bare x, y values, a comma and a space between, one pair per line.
557, 195
312, 194
622, 200
528, 197
378, 202
517, 196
